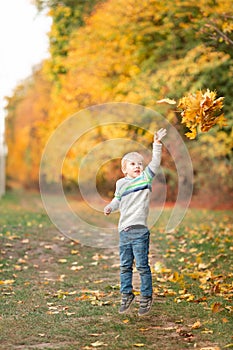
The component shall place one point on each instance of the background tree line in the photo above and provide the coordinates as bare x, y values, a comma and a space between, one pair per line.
136, 51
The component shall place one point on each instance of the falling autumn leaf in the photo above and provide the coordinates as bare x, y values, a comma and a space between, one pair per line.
167, 100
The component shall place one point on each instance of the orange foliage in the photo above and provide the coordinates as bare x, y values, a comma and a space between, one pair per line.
135, 51
201, 109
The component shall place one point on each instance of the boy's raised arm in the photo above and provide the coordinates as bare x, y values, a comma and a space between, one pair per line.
156, 152
159, 135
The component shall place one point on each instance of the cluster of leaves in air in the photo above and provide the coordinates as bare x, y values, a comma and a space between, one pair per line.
201, 109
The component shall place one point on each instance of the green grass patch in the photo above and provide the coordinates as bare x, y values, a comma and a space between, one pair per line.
57, 294
196, 271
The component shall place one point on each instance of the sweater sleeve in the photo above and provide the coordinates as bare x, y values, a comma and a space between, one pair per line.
115, 202
156, 158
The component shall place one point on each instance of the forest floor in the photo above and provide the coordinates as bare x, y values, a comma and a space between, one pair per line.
60, 294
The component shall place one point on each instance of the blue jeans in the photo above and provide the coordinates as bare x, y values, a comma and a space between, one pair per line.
134, 244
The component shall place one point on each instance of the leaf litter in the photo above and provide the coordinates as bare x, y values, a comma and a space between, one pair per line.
214, 290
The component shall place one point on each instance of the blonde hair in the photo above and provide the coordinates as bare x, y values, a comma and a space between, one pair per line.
129, 157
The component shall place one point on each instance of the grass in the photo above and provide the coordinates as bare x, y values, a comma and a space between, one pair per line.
58, 294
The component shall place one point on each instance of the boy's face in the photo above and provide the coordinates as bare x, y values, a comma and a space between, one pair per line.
133, 168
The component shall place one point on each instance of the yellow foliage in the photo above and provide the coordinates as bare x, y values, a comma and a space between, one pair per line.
201, 109
135, 51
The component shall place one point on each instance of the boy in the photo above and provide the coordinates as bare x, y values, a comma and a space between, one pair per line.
132, 199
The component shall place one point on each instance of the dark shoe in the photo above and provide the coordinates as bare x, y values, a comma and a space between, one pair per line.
145, 306
126, 302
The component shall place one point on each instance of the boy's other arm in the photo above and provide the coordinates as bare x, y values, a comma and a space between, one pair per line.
112, 206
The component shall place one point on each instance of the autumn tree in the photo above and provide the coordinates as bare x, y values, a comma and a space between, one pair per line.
27, 114
67, 15
139, 52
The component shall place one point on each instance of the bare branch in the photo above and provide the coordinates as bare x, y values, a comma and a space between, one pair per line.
222, 35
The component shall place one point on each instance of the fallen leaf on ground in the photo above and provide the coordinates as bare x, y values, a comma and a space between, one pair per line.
144, 329
7, 281
125, 321
207, 331
139, 345
216, 307
74, 252
98, 344
203, 266
211, 348
184, 333
196, 325
77, 268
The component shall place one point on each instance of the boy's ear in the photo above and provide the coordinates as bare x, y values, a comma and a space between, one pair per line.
123, 170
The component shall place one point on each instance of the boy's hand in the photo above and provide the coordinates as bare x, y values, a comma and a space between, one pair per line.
107, 210
160, 134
